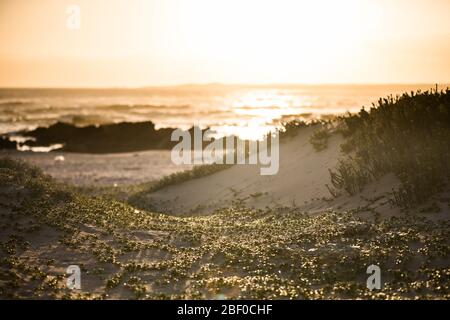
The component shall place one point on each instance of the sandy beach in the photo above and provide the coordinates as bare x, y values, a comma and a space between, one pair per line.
101, 169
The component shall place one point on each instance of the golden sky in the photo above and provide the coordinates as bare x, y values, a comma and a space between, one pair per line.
159, 42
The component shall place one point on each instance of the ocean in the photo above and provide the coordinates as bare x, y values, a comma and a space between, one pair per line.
248, 111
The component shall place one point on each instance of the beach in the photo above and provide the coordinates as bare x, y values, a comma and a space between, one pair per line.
104, 170
228, 231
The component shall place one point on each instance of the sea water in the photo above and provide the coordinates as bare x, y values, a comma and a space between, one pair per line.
249, 111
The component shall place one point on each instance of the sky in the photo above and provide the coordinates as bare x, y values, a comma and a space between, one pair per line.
128, 43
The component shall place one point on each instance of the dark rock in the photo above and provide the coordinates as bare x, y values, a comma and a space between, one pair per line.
120, 137
110, 138
5, 143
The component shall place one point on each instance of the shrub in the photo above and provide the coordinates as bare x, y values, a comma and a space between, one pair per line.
408, 135
319, 138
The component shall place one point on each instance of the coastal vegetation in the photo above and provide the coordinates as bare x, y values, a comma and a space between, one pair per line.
233, 253
408, 135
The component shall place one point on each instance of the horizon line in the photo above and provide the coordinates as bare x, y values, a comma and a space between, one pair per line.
221, 84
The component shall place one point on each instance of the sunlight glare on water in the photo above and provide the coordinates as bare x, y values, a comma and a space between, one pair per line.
249, 111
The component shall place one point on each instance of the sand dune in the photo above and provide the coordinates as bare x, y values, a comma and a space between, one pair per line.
301, 182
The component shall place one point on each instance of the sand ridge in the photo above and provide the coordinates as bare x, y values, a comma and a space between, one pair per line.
302, 179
